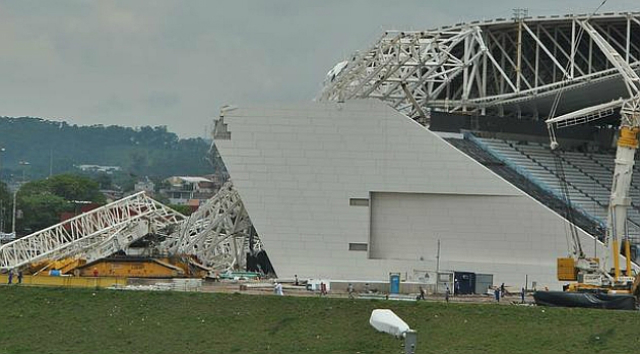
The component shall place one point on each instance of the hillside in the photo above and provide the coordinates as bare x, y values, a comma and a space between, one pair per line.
57, 147
107, 321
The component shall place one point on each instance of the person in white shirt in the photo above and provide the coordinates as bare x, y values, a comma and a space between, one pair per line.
278, 289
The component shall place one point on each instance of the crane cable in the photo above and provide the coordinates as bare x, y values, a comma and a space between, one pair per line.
568, 208
573, 242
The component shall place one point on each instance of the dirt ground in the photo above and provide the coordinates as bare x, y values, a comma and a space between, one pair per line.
266, 288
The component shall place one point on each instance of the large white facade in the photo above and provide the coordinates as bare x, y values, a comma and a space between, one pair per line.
357, 190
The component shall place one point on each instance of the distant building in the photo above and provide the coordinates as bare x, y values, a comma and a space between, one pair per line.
217, 179
79, 207
187, 190
145, 185
98, 168
112, 194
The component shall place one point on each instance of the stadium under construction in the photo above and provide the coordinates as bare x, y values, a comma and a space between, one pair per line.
426, 156
429, 153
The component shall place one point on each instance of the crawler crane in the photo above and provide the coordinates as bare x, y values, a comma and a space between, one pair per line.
593, 277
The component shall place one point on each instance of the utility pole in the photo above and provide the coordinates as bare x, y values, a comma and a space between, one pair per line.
2, 150
13, 221
438, 268
24, 165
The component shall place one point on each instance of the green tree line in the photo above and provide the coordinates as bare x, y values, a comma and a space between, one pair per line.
49, 148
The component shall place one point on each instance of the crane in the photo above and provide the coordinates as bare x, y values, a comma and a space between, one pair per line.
619, 200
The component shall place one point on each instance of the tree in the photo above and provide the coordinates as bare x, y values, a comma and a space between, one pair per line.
104, 180
74, 187
42, 202
40, 211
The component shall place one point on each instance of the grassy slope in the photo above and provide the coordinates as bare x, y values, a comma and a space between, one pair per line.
45, 320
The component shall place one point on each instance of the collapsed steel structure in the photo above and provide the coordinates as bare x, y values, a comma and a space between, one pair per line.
92, 235
504, 67
219, 235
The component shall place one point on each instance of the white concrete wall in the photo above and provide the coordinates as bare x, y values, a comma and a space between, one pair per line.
297, 166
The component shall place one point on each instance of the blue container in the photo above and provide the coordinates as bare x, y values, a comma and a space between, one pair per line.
394, 283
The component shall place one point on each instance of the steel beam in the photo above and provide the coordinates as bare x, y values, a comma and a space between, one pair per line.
486, 67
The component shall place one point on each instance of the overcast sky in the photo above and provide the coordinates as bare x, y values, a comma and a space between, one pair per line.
175, 63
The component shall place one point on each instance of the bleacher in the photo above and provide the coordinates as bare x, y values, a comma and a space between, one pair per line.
588, 177
519, 177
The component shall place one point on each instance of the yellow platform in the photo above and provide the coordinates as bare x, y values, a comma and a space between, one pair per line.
66, 281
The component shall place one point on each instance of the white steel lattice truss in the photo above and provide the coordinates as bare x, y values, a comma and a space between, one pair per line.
96, 234
494, 67
629, 108
219, 233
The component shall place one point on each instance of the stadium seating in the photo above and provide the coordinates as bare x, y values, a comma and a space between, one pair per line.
588, 176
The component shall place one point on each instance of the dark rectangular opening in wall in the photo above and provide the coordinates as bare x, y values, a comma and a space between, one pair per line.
354, 246
359, 202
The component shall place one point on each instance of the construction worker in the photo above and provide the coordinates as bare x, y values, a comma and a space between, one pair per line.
350, 291
422, 294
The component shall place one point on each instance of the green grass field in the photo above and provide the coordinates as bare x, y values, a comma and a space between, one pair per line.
48, 320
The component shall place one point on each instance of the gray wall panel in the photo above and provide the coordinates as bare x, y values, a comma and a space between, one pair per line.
296, 168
